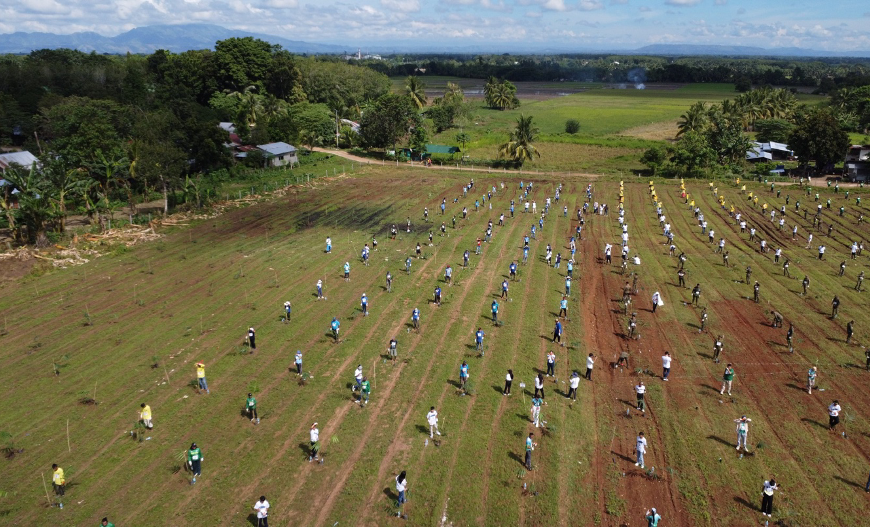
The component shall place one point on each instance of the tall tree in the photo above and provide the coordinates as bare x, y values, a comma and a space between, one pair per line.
520, 147
387, 120
415, 89
817, 136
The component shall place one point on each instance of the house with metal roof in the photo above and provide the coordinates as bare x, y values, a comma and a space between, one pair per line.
279, 153
23, 159
857, 164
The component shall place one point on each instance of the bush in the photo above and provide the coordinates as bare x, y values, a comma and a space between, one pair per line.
572, 126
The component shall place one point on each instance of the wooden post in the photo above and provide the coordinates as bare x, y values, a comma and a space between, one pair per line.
69, 448
47, 498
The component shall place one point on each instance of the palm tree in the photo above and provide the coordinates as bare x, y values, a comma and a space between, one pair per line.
453, 93
501, 96
309, 139
415, 90
519, 147
488, 88
695, 118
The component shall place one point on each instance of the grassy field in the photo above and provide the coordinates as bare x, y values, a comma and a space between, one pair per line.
616, 125
190, 296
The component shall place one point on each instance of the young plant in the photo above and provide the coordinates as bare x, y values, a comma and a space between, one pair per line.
59, 364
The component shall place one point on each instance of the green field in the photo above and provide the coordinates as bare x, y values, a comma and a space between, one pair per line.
99, 328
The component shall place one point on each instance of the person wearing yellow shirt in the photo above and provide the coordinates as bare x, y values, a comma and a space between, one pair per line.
200, 377
58, 482
145, 416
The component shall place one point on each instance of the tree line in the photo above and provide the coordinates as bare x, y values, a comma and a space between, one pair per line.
714, 136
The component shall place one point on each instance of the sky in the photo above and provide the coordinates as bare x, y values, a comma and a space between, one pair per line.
830, 25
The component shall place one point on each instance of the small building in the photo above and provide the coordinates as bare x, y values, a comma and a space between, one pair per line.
279, 154
857, 164
440, 149
230, 128
23, 159
770, 151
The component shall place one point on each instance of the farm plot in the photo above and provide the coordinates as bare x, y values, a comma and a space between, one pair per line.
128, 329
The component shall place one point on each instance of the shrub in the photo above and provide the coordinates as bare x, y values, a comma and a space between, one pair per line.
572, 126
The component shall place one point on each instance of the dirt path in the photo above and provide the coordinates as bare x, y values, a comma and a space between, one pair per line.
369, 161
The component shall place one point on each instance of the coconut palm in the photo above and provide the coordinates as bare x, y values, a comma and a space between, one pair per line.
695, 118
415, 90
519, 147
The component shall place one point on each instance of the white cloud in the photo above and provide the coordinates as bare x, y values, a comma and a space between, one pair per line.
404, 6
276, 4
554, 5
495, 6
45, 7
683, 3
590, 5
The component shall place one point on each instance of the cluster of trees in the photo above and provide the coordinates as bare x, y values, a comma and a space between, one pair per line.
827, 74
715, 135
851, 105
117, 128
500, 94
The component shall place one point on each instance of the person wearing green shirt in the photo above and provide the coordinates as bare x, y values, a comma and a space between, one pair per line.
530, 446
652, 517
365, 390
105, 522
251, 407
194, 459
727, 378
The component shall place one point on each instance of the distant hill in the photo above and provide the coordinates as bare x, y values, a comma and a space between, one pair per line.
176, 38
750, 51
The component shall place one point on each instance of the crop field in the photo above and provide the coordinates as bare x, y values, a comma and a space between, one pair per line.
128, 328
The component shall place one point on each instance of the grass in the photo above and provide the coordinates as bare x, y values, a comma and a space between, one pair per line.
197, 309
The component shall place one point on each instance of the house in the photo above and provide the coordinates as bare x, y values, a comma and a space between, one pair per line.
768, 152
440, 149
857, 164
279, 153
23, 159
229, 127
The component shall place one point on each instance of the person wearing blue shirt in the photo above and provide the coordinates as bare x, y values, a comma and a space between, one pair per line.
438, 295
335, 325
346, 271
504, 288
448, 275
408, 265
563, 307
465, 259
287, 309
443, 205
557, 332
512, 208
364, 301
478, 339
513, 269
463, 376
530, 446
494, 312
652, 517
525, 254
476, 204
299, 362
570, 269
533, 232
568, 286
415, 317
558, 260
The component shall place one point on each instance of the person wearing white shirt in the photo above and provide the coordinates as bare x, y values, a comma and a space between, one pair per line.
743, 226
314, 435
640, 390
574, 382
822, 249
590, 362
401, 486
262, 507
508, 381
666, 366
640, 449
767, 496
656, 298
432, 418
742, 431
833, 414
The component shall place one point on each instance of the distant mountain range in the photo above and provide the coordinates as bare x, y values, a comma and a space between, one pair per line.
183, 37
176, 38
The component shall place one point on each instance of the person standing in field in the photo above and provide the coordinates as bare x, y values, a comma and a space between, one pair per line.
557, 333
298, 362
742, 431
262, 509
767, 496
200, 377
833, 414
389, 282
320, 289
251, 407
448, 275
365, 390
573, 383
335, 326
563, 307
328, 245
194, 459
666, 366
105, 523
536, 410
432, 419
551, 364
495, 312
656, 297
346, 271
463, 377
811, 379
478, 340
727, 379
508, 381
530, 446
252, 338
393, 345
364, 304
314, 437
568, 286
756, 292
58, 482
850, 330
288, 309
438, 295
590, 363
835, 307
640, 449
145, 416
539, 385
652, 518
640, 391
